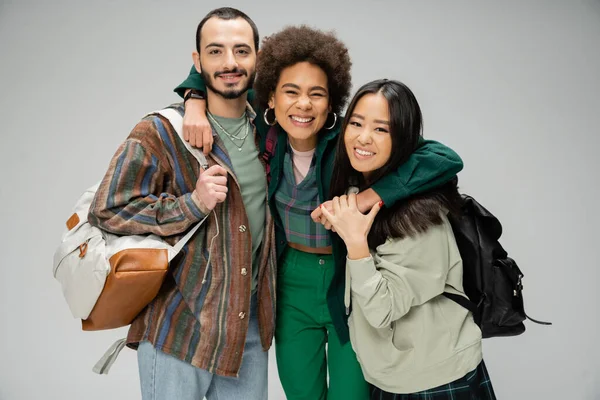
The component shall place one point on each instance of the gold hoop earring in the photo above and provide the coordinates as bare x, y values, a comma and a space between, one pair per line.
267, 119
334, 122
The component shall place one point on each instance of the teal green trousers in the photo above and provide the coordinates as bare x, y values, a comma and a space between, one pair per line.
304, 327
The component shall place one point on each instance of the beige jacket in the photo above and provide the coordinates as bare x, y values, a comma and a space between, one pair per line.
406, 335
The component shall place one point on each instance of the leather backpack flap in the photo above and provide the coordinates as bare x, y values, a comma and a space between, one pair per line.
135, 278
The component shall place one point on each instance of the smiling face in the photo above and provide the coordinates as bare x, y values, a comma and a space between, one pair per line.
301, 103
227, 58
367, 136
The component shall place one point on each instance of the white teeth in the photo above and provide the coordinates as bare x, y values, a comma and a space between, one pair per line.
363, 152
303, 120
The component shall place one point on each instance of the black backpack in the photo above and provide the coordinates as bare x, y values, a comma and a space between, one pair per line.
491, 279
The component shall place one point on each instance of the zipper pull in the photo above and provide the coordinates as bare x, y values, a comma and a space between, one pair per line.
519, 287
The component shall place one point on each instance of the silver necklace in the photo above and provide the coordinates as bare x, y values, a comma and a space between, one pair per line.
231, 137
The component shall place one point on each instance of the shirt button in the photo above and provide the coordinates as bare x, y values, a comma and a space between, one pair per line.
244, 271
242, 315
321, 261
242, 228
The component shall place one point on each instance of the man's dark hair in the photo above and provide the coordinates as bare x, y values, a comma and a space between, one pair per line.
227, 13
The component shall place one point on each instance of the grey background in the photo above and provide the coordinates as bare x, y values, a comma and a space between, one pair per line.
512, 86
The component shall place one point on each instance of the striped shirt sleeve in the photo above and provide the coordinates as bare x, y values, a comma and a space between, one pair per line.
130, 198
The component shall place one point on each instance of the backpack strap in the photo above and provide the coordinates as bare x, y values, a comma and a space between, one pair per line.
463, 301
176, 121
110, 356
469, 305
537, 321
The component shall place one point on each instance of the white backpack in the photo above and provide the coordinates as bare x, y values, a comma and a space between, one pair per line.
81, 261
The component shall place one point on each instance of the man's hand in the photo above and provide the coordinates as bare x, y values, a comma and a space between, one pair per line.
211, 187
197, 131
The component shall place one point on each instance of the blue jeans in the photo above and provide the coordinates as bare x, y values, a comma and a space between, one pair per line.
164, 377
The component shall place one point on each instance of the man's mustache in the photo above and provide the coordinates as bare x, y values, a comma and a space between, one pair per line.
233, 71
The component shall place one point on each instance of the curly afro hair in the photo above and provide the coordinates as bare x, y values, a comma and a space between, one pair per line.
296, 44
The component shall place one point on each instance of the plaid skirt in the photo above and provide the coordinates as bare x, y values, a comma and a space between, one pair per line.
475, 385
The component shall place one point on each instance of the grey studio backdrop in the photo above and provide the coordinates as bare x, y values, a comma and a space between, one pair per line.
512, 86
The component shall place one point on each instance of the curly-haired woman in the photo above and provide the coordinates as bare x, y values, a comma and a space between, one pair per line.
303, 82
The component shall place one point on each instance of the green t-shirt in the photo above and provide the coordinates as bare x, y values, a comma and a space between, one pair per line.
250, 175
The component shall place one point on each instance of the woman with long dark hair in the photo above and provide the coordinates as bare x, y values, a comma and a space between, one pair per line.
411, 341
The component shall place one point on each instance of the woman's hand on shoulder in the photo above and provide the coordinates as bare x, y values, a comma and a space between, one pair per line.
197, 131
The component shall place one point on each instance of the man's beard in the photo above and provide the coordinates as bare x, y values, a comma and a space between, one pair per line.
228, 94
